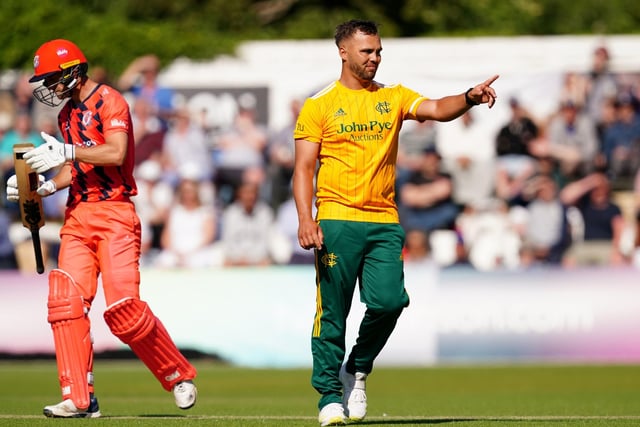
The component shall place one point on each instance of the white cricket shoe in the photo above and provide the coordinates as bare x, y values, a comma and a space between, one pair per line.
67, 409
185, 393
332, 415
354, 397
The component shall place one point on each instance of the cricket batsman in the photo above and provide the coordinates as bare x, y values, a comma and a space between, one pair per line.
100, 236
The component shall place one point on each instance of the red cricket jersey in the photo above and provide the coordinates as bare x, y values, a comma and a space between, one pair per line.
88, 124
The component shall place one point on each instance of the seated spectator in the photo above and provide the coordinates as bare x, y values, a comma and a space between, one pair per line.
153, 203
240, 149
468, 156
416, 247
513, 138
490, 237
603, 222
287, 223
601, 84
23, 100
7, 254
249, 234
446, 248
546, 234
571, 139
22, 131
514, 163
425, 201
575, 89
636, 210
281, 155
188, 236
415, 137
148, 131
185, 144
621, 143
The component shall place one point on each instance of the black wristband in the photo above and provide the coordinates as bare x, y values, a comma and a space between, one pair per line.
470, 102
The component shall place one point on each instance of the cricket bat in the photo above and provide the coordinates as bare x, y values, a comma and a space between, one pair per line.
30, 201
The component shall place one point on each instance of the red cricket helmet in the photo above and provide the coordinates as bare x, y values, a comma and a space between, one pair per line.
57, 56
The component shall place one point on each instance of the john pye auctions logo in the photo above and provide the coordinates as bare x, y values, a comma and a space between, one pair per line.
372, 126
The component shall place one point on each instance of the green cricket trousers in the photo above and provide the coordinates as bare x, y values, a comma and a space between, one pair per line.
370, 254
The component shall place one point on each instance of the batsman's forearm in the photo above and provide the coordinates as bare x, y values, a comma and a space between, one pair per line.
63, 177
100, 155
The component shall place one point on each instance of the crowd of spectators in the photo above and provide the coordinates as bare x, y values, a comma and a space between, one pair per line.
554, 191
561, 190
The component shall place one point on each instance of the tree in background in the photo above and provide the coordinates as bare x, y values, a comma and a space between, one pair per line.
115, 32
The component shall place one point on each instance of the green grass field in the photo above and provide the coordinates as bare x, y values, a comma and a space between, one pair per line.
457, 396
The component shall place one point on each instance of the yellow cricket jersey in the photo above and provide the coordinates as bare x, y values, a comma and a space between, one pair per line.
358, 135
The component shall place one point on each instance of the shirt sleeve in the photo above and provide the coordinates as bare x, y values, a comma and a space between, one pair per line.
116, 114
309, 123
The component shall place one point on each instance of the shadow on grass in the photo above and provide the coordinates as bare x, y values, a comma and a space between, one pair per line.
431, 421
162, 416
412, 421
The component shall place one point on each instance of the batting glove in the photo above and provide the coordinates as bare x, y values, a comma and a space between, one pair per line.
45, 188
49, 155
12, 189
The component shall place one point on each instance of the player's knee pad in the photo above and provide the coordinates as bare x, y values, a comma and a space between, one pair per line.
133, 322
130, 319
65, 301
72, 337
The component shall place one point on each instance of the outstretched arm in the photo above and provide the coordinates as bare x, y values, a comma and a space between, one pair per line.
453, 106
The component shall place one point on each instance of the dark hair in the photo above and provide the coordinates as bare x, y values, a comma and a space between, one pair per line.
349, 28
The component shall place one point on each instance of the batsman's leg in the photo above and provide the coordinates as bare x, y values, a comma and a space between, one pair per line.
70, 324
133, 322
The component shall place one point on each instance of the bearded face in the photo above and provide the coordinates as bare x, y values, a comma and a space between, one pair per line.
362, 55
